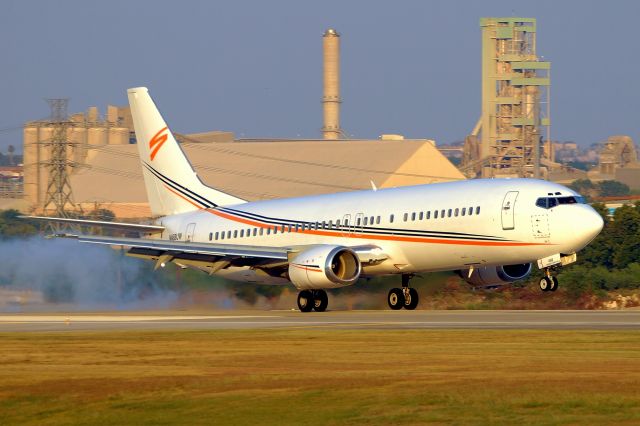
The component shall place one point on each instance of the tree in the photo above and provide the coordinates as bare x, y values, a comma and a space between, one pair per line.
12, 226
584, 187
612, 188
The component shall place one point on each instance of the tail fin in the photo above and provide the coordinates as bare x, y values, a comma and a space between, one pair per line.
172, 184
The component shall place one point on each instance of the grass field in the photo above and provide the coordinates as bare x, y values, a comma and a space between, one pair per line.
320, 377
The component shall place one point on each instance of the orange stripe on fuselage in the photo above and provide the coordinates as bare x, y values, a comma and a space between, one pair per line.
398, 238
183, 197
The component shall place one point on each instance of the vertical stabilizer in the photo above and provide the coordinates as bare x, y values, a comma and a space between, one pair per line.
172, 184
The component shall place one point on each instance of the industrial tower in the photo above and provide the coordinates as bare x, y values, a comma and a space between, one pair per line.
515, 101
58, 195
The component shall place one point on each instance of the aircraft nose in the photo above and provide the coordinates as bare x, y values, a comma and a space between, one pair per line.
588, 224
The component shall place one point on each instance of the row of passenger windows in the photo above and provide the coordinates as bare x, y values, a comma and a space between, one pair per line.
340, 224
464, 211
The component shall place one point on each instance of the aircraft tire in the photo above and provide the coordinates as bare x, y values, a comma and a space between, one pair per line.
395, 299
545, 283
305, 301
413, 300
554, 284
320, 300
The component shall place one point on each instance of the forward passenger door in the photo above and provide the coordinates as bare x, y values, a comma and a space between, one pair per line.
508, 210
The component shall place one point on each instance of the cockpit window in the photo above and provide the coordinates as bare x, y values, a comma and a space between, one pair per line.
549, 202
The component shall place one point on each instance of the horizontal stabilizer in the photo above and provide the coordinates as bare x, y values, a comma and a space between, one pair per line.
132, 227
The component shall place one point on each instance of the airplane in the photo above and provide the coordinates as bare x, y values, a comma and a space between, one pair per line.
491, 231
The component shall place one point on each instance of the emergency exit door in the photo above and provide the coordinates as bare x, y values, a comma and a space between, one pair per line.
508, 210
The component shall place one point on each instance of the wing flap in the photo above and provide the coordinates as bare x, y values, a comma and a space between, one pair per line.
159, 247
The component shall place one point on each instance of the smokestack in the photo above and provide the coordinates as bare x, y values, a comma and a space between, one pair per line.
331, 97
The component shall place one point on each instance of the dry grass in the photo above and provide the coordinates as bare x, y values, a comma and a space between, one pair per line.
321, 377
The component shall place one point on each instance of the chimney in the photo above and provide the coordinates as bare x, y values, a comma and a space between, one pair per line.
331, 96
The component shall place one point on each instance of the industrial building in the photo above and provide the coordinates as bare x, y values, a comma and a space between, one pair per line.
101, 166
507, 141
87, 160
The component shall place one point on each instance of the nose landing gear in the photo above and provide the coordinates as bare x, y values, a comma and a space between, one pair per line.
549, 282
405, 297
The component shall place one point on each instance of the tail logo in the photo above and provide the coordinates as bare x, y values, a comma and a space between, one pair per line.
157, 141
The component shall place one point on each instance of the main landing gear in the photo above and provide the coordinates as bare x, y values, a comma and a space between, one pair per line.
309, 300
549, 282
405, 297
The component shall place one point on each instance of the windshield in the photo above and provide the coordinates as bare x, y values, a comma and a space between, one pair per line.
549, 202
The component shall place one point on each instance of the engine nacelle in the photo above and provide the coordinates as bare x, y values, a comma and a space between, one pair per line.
496, 275
324, 266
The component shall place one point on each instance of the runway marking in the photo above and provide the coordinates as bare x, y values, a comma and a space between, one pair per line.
114, 318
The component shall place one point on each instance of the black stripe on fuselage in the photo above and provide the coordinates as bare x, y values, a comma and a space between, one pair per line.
199, 199
363, 229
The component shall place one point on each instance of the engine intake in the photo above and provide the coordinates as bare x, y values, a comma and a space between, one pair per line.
496, 275
324, 266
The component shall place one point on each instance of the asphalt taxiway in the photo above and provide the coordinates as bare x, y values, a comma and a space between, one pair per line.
384, 319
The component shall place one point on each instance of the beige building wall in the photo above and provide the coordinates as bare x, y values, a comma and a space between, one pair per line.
267, 169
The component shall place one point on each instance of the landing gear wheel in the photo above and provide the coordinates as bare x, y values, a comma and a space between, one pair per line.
305, 301
396, 299
554, 284
320, 300
411, 300
545, 283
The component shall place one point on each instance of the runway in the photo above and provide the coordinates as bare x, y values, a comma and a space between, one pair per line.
391, 320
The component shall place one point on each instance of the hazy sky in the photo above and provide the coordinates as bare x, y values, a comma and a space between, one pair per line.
254, 67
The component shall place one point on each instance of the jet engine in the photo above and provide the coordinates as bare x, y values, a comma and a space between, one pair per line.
324, 266
496, 275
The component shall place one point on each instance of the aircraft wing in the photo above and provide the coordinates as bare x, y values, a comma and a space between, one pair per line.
212, 256
121, 226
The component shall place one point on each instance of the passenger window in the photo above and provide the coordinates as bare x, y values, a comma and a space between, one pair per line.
413, 216
235, 234
255, 231
442, 212
222, 236
391, 219
275, 230
371, 220
449, 215
366, 220
228, 235
455, 213
435, 214
241, 233
216, 236
429, 215
420, 216
261, 231
478, 210
464, 210
268, 231
470, 211
378, 220
406, 216
331, 224
338, 223
210, 236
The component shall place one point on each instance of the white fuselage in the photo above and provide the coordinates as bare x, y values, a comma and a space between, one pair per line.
447, 226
